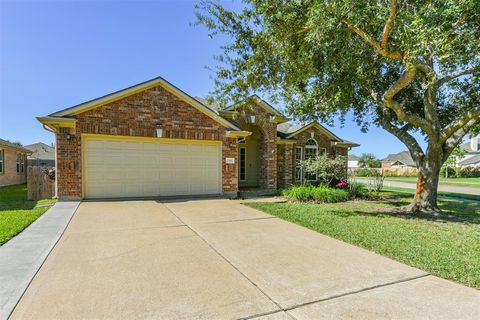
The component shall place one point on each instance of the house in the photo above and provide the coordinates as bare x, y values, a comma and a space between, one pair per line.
153, 139
353, 161
472, 157
41, 155
13, 163
398, 160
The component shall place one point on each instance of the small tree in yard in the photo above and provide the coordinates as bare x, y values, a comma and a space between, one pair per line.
457, 154
409, 66
327, 169
368, 160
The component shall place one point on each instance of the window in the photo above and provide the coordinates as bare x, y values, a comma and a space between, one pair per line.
1, 161
20, 163
323, 151
298, 163
242, 162
311, 152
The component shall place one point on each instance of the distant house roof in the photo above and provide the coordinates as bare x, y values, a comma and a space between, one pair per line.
353, 157
11, 145
468, 147
41, 151
403, 157
470, 161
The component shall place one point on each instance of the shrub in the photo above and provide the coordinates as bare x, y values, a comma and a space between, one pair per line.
328, 170
317, 194
363, 172
468, 172
301, 193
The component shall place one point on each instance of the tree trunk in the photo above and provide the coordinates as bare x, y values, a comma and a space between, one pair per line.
426, 195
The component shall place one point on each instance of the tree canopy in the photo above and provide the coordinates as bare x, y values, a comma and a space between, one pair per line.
404, 65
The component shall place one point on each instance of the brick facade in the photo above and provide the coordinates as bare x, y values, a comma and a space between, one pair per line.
268, 144
139, 115
322, 142
10, 176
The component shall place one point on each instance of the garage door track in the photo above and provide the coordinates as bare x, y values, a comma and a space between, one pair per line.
217, 259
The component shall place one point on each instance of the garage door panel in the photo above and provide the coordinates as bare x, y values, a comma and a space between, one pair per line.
115, 168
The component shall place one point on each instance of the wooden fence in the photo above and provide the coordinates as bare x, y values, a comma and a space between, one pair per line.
40, 182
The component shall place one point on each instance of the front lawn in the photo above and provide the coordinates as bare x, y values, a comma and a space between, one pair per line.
448, 247
461, 182
16, 212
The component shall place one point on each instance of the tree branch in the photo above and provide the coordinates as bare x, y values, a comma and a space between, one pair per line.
407, 77
462, 121
389, 25
374, 43
457, 74
401, 133
430, 94
455, 138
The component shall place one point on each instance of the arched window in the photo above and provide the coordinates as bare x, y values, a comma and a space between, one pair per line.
311, 149
311, 152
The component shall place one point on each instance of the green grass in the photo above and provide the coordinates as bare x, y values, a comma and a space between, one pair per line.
462, 182
16, 212
447, 247
440, 193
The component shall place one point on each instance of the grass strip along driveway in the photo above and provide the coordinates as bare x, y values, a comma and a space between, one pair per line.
16, 212
449, 248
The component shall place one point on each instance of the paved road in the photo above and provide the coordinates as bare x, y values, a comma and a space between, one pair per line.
447, 188
217, 259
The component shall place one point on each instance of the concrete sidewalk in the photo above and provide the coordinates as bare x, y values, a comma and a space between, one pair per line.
217, 259
446, 188
22, 256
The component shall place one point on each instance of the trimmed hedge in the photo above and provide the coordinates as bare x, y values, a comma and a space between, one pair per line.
316, 194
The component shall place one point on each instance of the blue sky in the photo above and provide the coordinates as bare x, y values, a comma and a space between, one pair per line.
60, 53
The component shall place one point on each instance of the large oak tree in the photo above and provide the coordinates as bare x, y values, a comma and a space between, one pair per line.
407, 66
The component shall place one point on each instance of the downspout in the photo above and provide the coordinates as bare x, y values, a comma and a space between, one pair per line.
56, 171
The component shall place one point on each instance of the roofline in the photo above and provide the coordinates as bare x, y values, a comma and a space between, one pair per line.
347, 144
120, 94
8, 146
261, 102
311, 124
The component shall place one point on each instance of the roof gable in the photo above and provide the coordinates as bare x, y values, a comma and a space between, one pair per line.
260, 102
294, 130
115, 96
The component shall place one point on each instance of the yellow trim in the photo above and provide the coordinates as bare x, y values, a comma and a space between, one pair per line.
103, 102
285, 141
91, 136
55, 122
139, 88
319, 127
238, 134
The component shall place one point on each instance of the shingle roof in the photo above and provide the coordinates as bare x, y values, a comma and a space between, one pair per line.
467, 146
403, 157
6, 143
469, 161
353, 157
41, 151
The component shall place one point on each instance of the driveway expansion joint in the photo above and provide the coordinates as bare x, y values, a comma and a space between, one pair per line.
280, 308
358, 291
239, 220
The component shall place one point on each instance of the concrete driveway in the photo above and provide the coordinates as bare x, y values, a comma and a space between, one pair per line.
217, 259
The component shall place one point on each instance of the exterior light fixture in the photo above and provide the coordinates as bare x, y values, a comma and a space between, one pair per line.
69, 136
252, 119
159, 132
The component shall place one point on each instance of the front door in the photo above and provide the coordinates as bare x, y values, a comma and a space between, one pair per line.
248, 162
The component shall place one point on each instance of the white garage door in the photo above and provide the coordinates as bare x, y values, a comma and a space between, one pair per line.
132, 168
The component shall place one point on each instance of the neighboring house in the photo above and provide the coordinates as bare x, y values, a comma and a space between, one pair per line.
13, 163
472, 157
153, 139
353, 161
41, 155
398, 160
